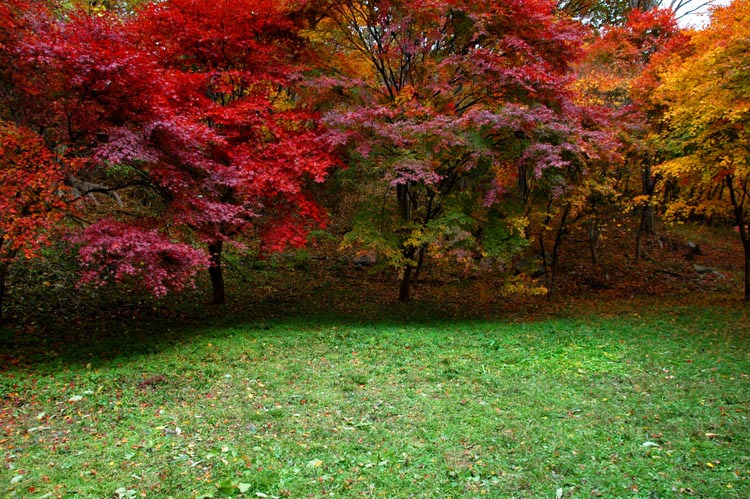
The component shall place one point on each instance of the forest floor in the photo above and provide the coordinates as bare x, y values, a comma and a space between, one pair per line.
634, 381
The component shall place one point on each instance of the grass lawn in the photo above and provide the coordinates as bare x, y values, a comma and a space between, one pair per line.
621, 406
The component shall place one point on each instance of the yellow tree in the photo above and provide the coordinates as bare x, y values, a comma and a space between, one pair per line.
612, 77
707, 96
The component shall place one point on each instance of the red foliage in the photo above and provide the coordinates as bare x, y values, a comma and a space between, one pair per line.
226, 66
31, 184
112, 250
448, 71
192, 110
624, 51
192, 96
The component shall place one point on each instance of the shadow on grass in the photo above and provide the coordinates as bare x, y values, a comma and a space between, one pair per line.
100, 339
113, 324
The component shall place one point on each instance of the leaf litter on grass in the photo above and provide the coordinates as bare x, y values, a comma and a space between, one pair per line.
617, 407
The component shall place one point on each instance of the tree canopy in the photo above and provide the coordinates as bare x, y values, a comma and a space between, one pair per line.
154, 134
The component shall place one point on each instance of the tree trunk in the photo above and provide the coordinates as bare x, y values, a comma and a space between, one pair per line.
555, 249
642, 231
647, 211
550, 267
3, 275
404, 197
638, 245
523, 186
404, 290
646, 225
594, 235
741, 219
648, 219
403, 193
405, 286
216, 273
420, 262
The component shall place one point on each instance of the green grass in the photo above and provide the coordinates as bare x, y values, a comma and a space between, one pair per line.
625, 406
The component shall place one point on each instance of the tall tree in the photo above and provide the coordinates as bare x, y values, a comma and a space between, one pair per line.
706, 90
233, 65
448, 103
185, 115
611, 76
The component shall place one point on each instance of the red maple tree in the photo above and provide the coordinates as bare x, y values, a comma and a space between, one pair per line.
188, 120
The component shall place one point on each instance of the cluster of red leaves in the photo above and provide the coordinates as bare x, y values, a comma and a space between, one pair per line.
31, 182
130, 251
